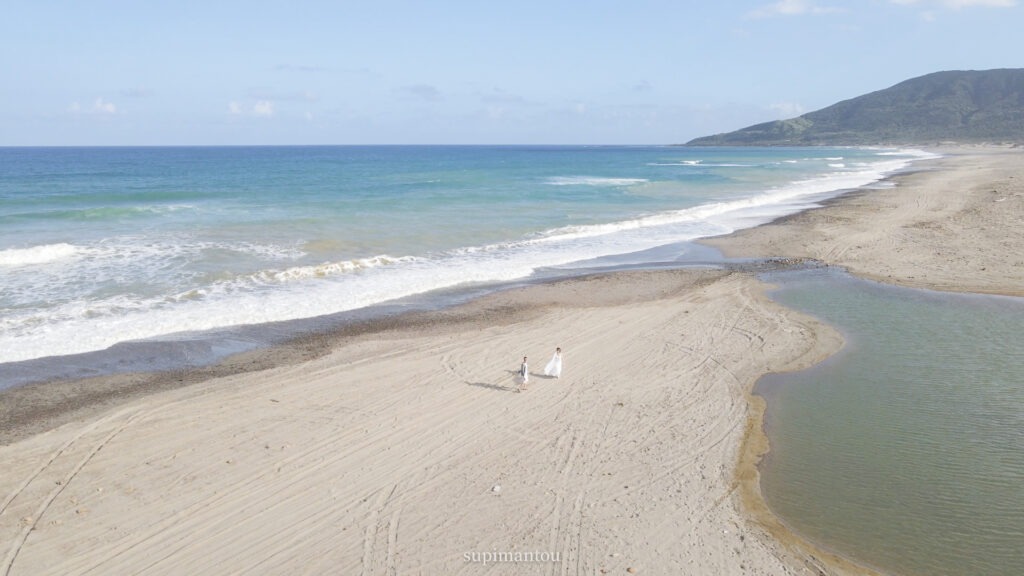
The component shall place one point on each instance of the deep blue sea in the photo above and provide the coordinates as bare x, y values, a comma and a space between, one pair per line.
99, 246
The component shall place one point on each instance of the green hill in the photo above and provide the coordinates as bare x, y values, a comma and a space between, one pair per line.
958, 106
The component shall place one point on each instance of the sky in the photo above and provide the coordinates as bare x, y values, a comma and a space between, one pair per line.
213, 72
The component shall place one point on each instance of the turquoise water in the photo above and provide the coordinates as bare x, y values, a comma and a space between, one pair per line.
905, 450
99, 246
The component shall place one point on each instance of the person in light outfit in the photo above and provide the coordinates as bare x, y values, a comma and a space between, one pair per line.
554, 367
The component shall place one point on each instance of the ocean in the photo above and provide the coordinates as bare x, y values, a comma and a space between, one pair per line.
100, 247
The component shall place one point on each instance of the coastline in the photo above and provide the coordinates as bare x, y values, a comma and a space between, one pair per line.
952, 224
384, 453
587, 439
902, 235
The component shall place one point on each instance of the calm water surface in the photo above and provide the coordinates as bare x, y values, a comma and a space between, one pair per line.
905, 450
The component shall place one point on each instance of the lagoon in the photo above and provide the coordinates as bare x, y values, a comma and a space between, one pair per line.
905, 450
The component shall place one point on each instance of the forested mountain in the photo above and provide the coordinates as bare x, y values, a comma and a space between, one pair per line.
954, 106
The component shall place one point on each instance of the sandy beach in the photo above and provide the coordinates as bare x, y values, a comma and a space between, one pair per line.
955, 223
406, 449
385, 455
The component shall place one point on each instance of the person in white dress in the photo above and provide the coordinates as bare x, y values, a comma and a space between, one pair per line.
524, 373
554, 367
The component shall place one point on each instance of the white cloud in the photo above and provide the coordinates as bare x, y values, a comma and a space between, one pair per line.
784, 110
804, 7
791, 8
102, 107
263, 108
958, 4
99, 107
931, 8
955, 4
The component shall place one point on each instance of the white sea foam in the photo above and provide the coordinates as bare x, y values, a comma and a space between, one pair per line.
325, 270
266, 250
37, 254
305, 291
85, 326
164, 208
831, 182
913, 152
701, 164
71, 272
680, 163
593, 181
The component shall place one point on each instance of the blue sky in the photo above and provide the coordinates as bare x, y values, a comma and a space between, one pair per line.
465, 72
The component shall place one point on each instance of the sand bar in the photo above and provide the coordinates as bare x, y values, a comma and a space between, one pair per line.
405, 449
955, 224
383, 456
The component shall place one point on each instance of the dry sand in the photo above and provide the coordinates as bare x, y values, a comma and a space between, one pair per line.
405, 448
384, 456
956, 225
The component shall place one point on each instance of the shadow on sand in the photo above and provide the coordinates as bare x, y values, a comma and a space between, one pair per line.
493, 386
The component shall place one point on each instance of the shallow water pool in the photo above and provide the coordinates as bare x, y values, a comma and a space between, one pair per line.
904, 451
